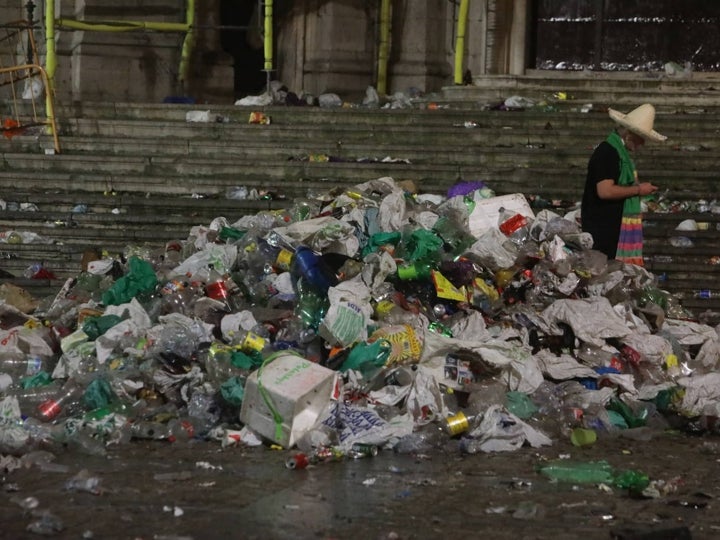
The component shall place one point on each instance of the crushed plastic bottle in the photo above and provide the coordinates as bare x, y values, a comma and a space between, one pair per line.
513, 225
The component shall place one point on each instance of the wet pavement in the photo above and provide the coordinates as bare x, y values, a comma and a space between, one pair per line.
198, 490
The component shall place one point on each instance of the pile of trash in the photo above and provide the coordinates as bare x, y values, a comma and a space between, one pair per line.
278, 93
368, 318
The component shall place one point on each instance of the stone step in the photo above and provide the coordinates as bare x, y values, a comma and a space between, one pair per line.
457, 146
699, 90
367, 127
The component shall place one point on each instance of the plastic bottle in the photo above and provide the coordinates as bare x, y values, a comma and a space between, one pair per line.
415, 271
423, 440
179, 300
180, 430
294, 334
66, 400
308, 265
251, 342
269, 256
311, 304
30, 398
19, 438
215, 286
594, 356
514, 226
217, 361
147, 429
455, 238
21, 366
592, 472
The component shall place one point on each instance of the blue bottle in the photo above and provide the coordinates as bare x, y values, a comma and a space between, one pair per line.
308, 265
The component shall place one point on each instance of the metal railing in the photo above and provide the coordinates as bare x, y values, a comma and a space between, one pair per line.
25, 111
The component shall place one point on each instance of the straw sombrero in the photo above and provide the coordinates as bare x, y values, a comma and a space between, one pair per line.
639, 121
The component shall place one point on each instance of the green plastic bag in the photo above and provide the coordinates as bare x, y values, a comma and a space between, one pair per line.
95, 327
98, 394
634, 481
365, 357
520, 404
230, 233
233, 390
423, 245
42, 378
242, 360
381, 239
140, 278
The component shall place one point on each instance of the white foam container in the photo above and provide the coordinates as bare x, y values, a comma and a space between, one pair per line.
298, 389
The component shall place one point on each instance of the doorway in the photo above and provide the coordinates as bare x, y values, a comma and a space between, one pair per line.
240, 37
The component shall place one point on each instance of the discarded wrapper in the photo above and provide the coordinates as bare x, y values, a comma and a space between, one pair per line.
259, 118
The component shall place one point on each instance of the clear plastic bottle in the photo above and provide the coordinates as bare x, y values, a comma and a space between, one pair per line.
149, 430
251, 342
424, 439
21, 366
270, 257
64, 402
215, 286
22, 435
513, 225
594, 356
30, 398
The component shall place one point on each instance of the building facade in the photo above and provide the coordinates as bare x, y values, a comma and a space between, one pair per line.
321, 46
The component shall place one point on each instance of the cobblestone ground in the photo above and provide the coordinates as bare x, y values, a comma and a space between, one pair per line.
199, 491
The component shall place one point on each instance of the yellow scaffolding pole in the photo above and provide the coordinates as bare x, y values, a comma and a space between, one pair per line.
384, 48
129, 26
268, 40
120, 26
188, 43
460, 41
50, 56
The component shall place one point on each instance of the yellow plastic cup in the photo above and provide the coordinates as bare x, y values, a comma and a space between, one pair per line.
583, 437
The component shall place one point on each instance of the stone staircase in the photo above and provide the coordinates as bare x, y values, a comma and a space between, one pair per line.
146, 175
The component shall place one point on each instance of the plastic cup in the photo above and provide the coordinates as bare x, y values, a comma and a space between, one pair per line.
583, 437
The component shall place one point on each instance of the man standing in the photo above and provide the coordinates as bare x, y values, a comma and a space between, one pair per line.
610, 209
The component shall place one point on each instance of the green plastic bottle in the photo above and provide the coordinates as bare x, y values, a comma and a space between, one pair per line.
591, 472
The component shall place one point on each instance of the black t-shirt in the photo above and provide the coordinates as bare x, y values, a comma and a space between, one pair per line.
602, 217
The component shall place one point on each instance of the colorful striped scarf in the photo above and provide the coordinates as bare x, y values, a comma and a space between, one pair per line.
630, 243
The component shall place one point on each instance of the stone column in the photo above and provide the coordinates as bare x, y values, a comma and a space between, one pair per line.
518, 38
211, 76
507, 36
339, 47
419, 44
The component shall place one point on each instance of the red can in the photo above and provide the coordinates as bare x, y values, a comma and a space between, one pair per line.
298, 461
